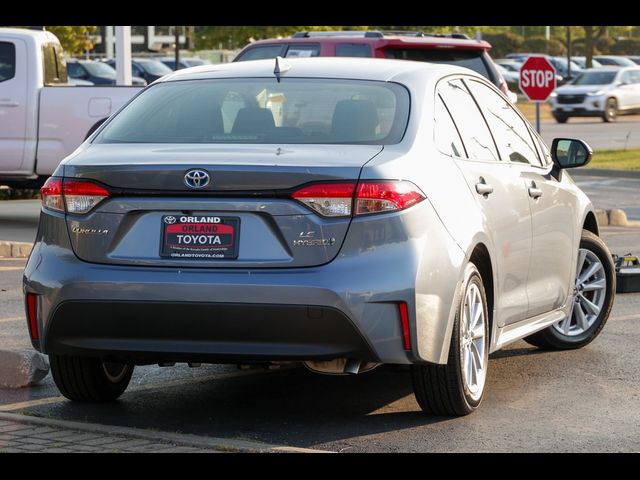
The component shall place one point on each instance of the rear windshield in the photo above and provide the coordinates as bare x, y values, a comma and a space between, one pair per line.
463, 58
261, 110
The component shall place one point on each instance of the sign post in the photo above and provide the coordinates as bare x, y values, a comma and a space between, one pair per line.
537, 81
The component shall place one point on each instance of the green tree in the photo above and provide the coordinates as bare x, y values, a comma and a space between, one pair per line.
74, 39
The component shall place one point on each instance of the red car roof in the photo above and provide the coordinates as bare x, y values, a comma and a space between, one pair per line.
390, 40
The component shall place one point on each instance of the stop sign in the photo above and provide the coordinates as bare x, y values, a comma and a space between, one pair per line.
537, 79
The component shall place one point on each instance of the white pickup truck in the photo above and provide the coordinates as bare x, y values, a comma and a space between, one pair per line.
42, 117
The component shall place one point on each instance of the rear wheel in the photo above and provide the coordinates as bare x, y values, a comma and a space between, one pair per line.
457, 387
610, 110
86, 379
594, 294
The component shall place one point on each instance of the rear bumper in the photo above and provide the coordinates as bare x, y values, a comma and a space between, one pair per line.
346, 308
204, 332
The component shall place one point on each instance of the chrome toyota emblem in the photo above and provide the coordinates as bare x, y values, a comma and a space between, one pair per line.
197, 178
170, 220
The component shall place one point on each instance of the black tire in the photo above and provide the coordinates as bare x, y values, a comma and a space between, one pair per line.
560, 118
610, 110
440, 389
550, 338
85, 379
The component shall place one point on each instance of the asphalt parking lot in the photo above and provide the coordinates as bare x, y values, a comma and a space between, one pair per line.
623, 133
583, 400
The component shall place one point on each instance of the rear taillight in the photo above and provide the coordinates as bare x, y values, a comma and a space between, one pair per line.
367, 197
78, 196
32, 315
51, 193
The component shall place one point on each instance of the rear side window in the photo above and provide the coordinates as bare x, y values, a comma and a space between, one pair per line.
55, 67
509, 129
261, 110
7, 61
471, 125
301, 51
353, 50
260, 53
472, 59
75, 70
446, 134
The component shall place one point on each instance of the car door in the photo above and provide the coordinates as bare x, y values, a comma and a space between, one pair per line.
13, 103
501, 197
625, 90
635, 87
552, 214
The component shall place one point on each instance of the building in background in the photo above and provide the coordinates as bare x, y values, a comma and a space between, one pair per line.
143, 39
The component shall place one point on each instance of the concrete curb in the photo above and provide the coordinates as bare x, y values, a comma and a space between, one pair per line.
15, 249
615, 218
22, 368
212, 443
601, 172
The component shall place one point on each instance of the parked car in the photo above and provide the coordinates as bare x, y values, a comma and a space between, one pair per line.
43, 118
98, 73
634, 58
598, 92
582, 62
511, 76
185, 62
455, 49
559, 63
614, 61
79, 82
147, 68
301, 210
509, 64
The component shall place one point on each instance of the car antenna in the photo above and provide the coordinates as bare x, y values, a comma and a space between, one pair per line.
280, 67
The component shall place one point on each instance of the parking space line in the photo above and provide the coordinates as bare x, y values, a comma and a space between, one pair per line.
11, 319
9, 269
12, 259
140, 388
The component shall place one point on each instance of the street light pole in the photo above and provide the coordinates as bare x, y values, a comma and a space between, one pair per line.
568, 52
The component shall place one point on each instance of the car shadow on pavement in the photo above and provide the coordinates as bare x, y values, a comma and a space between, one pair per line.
290, 407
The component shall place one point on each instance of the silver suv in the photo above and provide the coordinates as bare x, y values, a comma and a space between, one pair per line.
598, 92
343, 213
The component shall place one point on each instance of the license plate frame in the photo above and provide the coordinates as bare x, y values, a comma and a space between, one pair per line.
199, 237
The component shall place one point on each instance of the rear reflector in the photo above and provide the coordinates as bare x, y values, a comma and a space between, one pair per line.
32, 315
338, 199
79, 196
404, 323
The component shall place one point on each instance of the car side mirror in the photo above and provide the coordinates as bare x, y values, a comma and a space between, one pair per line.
570, 153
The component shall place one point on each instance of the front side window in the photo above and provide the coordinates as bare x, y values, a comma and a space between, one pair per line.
261, 110
509, 129
471, 125
7, 61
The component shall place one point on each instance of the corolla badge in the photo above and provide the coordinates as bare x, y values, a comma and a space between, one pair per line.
197, 178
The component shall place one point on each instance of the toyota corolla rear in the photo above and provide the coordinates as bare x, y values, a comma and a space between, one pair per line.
224, 220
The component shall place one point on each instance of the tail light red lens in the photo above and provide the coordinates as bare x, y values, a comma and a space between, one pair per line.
78, 196
32, 315
367, 197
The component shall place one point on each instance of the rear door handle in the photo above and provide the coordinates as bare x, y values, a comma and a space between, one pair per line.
7, 102
483, 188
